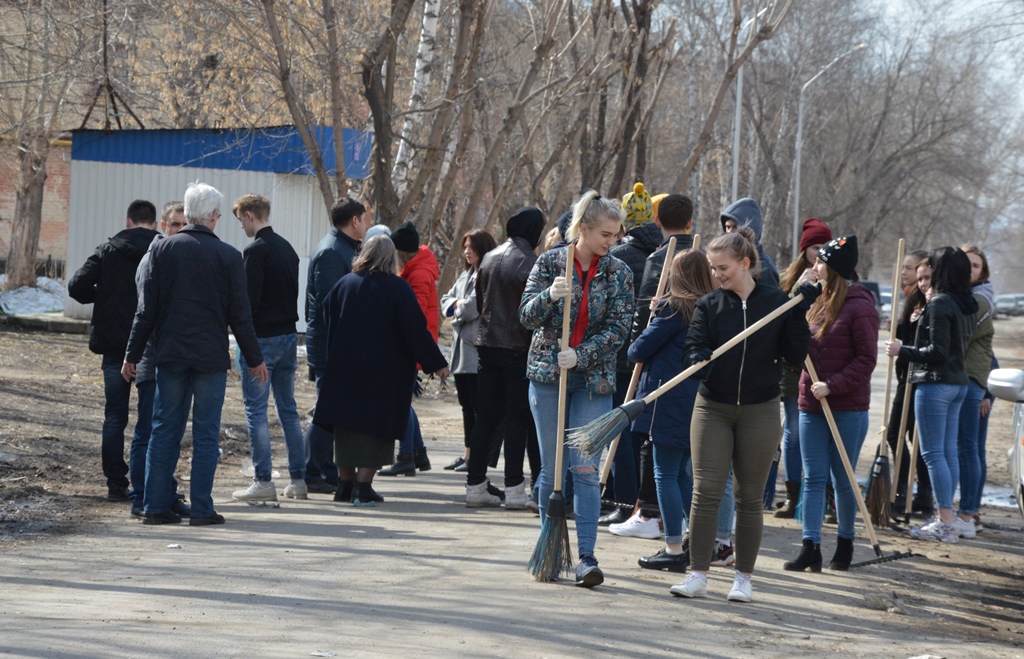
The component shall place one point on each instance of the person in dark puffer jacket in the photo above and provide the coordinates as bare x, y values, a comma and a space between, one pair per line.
107, 281
844, 351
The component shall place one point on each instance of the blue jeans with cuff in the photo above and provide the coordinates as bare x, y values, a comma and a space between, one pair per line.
821, 461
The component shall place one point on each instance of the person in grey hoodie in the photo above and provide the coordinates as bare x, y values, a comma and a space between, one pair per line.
746, 213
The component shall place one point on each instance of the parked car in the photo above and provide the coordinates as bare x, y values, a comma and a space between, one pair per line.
877, 292
1008, 384
1007, 305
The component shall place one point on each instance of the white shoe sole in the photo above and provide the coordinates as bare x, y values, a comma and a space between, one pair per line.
739, 596
687, 594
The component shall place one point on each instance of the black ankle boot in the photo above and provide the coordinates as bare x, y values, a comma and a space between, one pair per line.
404, 466
844, 554
344, 492
788, 509
809, 559
422, 461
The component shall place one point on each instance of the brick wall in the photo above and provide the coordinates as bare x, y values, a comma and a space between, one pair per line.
53, 234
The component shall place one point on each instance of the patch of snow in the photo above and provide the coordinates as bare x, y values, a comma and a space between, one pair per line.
48, 296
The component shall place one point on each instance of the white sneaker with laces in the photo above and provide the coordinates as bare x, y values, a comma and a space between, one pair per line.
257, 491
741, 590
936, 531
964, 528
296, 489
924, 531
637, 527
695, 586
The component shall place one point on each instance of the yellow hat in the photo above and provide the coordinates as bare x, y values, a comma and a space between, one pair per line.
655, 200
637, 205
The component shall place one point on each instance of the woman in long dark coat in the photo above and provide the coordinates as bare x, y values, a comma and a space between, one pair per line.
376, 334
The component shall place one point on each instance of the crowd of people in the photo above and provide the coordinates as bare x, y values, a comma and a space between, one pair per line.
692, 470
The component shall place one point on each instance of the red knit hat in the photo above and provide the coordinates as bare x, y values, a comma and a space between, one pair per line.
815, 232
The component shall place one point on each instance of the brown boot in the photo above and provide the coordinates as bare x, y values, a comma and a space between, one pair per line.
788, 509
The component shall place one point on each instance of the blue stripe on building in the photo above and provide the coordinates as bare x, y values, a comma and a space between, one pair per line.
277, 149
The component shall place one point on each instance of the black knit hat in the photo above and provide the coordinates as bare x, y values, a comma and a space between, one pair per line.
406, 238
841, 255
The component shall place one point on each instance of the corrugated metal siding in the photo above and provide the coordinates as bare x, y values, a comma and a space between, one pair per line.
101, 193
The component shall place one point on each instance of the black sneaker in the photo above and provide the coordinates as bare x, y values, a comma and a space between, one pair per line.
617, 516
181, 508
117, 493
320, 486
588, 574
665, 561
166, 517
137, 511
206, 521
455, 464
723, 556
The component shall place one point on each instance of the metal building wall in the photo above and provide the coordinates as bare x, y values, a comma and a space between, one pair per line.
101, 193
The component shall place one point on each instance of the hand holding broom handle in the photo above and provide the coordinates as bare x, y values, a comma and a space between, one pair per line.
563, 375
827, 409
634, 380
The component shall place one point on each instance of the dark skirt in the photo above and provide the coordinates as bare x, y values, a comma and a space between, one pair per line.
354, 449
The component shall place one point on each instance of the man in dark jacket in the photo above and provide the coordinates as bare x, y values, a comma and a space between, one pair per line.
331, 261
272, 281
746, 213
502, 345
107, 281
193, 289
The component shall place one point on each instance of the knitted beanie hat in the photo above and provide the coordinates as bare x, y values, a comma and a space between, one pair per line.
406, 237
841, 255
637, 205
655, 202
815, 232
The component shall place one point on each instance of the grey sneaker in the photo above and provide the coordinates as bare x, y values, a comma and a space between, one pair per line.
257, 491
296, 490
516, 497
477, 496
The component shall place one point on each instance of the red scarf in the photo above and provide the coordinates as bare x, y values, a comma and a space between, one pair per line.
579, 328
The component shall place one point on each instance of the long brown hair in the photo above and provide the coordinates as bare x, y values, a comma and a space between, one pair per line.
826, 308
689, 280
793, 272
481, 241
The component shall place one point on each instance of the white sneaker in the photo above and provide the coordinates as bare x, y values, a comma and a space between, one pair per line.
936, 530
741, 590
257, 491
516, 497
637, 527
924, 531
296, 490
694, 586
964, 528
477, 496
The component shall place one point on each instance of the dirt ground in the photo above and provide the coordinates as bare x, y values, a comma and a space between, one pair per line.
422, 573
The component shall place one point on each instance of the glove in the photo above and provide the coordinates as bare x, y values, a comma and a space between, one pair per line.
567, 359
559, 289
697, 356
810, 293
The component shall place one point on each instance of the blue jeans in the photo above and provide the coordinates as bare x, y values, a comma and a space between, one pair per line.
937, 407
176, 384
820, 457
320, 447
279, 356
675, 489
791, 438
982, 440
581, 408
967, 449
117, 393
413, 440
140, 442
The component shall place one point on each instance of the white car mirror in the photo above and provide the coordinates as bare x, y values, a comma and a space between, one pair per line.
1007, 384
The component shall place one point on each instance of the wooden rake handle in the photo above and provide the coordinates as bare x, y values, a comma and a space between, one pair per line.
563, 375
893, 315
846, 460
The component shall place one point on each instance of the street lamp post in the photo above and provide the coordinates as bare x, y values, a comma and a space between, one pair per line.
739, 113
800, 143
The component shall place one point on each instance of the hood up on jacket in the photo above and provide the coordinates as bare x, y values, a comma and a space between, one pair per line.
745, 213
966, 303
528, 223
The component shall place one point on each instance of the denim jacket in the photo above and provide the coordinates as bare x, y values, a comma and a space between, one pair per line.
610, 311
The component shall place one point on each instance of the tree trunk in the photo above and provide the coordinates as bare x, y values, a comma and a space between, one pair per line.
28, 214
334, 72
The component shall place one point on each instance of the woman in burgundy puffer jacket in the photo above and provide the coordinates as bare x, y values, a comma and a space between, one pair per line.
844, 350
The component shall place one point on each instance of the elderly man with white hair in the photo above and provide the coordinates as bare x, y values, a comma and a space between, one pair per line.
193, 289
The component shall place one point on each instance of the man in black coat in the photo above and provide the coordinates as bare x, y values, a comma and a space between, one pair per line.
193, 289
502, 345
107, 281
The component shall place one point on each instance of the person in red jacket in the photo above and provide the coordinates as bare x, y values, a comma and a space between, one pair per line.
418, 266
844, 350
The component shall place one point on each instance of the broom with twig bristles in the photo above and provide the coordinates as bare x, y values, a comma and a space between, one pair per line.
553, 553
592, 438
880, 483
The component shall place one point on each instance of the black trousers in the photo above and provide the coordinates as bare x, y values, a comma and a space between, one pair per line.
467, 387
503, 393
892, 436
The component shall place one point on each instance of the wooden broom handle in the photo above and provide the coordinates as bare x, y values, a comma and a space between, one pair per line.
845, 458
563, 375
893, 315
634, 379
901, 439
722, 349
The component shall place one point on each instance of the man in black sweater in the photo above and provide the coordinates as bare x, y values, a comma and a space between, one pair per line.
272, 280
107, 281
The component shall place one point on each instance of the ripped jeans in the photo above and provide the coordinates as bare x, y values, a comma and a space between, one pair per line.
581, 408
